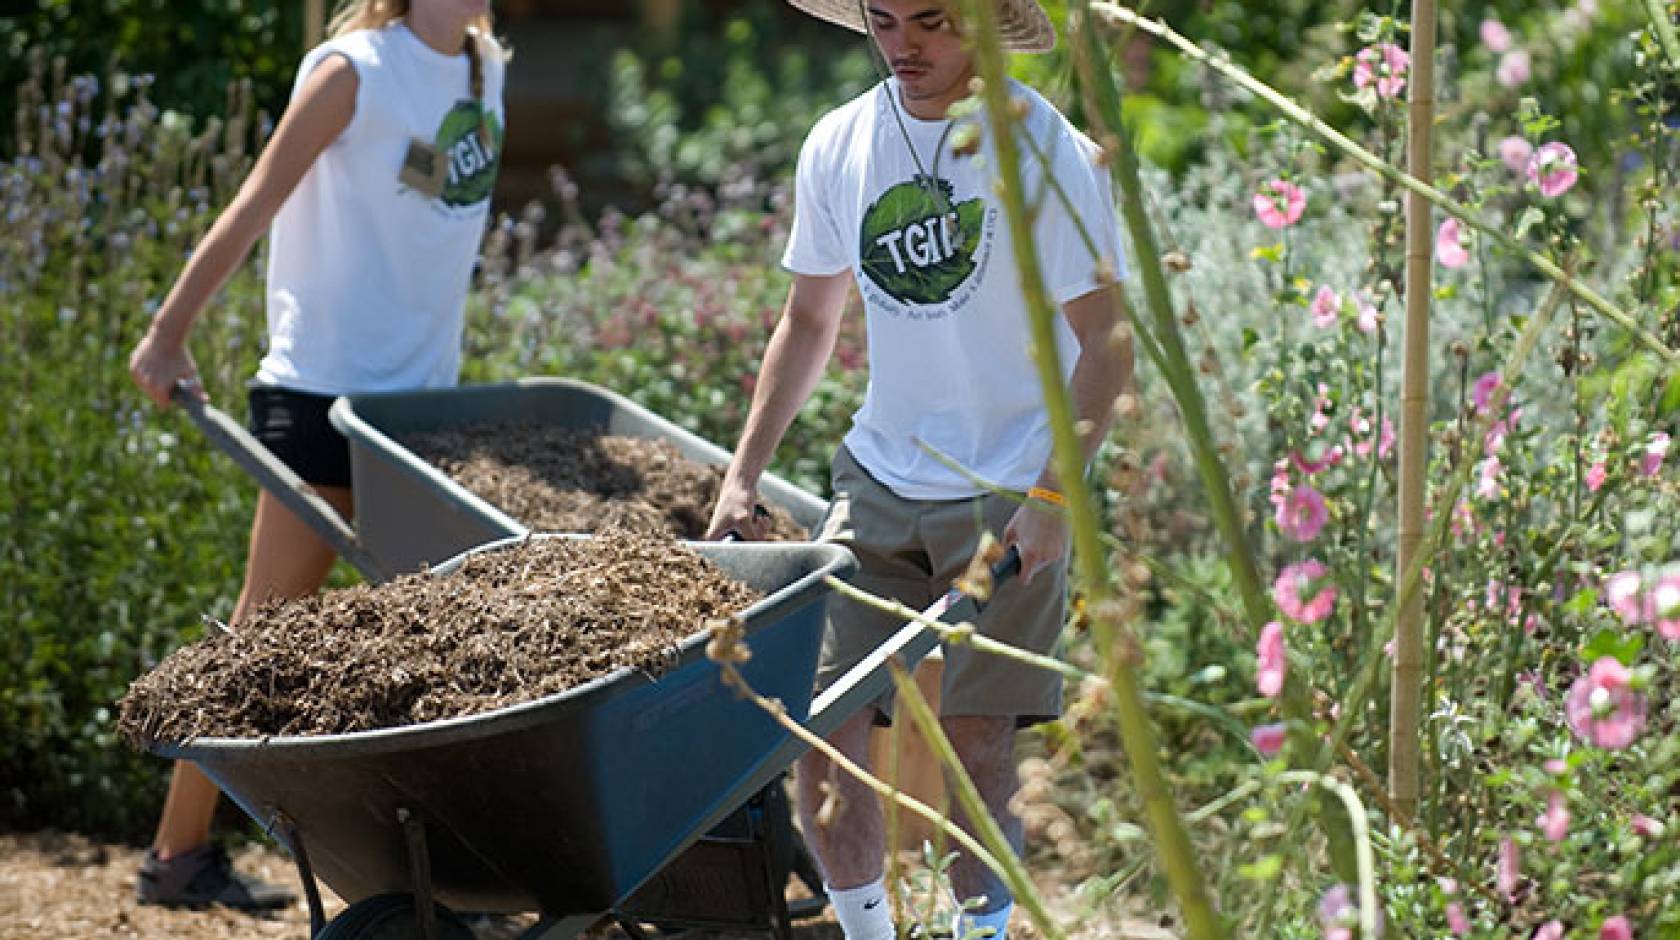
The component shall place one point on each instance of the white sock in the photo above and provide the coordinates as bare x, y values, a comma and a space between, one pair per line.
997, 922
863, 911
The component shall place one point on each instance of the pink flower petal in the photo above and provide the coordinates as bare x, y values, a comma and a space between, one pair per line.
1553, 168
1495, 36
1514, 69
1449, 246
1279, 203
1274, 660
1268, 739
1616, 928
1516, 152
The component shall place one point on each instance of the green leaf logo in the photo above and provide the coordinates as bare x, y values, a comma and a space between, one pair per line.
472, 161
913, 254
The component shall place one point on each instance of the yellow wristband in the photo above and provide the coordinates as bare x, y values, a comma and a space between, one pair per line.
1050, 496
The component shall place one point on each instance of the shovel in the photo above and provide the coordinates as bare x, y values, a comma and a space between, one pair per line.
231, 438
865, 682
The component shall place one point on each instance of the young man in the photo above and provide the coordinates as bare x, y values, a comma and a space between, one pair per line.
882, 201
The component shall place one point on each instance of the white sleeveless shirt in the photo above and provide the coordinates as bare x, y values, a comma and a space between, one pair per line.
367, 276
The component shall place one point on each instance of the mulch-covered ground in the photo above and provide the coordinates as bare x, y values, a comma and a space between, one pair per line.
555, 479
510, 626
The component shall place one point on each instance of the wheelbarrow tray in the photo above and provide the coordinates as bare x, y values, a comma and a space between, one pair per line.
410, 514
562, 805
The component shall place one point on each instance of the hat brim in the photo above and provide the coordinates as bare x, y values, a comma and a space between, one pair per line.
1022, 24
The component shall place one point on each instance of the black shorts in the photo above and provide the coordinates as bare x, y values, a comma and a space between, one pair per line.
294, 426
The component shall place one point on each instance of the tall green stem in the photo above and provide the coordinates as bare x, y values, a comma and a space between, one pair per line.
1137, 735
1100, 85
1664, 27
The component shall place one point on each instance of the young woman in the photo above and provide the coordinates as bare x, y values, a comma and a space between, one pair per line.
374, 192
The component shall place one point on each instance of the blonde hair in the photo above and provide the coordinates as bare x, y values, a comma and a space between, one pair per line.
376, 14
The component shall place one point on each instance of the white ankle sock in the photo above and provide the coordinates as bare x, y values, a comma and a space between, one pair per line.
995, 921
863, 911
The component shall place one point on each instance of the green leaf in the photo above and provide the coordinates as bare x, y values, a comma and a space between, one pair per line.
1624, 648
1266, 869
1582, 603
1529, 218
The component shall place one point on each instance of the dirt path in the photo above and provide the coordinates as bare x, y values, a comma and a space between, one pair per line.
64, 887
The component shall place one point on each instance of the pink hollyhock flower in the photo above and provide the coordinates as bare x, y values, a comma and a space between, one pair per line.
1481, 394
1369, 317
1663, 604
1338, 914
1553, 930
1651, 464
1456, 921
1326, 306
1554, 823
1279, 203
1553, 169
1268, 739
1274, 660
1621, 592
1290, 592
1449, 245
1360, 426
1602, 709
1495, 36
1385, 64
1644, 825
1509, 872
1320, 417
1328, 457
1616, 928
1280, 483
1514, 69
1557, 766
1516, 151
1595, 476
1302, 514
1487, 478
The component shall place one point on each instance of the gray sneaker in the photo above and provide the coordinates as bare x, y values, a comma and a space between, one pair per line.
203, 877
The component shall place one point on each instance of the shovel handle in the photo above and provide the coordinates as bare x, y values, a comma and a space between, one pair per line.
231, 438
865, 682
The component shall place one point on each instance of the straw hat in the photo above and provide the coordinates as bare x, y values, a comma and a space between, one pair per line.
1022, 24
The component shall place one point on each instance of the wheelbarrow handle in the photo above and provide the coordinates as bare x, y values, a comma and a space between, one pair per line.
282, 481
865, 682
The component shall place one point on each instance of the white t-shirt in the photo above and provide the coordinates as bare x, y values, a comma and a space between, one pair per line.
947, 324
367, 276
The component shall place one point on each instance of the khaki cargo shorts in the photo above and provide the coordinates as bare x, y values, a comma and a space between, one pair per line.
910, 551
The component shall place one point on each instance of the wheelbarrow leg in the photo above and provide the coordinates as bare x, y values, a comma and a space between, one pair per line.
420, 871
306, 873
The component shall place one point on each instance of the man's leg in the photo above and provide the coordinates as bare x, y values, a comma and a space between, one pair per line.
841, 819
986, 746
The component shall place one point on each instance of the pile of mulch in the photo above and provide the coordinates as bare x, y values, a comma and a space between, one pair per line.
511, 626
555, 479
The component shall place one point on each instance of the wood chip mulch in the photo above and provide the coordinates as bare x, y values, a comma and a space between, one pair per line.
511, 626
555, 479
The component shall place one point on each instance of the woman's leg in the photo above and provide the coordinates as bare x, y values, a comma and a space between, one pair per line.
287, 560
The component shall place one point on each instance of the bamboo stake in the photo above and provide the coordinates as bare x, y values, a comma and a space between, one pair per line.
1405, 693
1176, 856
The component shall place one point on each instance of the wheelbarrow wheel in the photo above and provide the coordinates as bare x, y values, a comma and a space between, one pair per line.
390, 917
